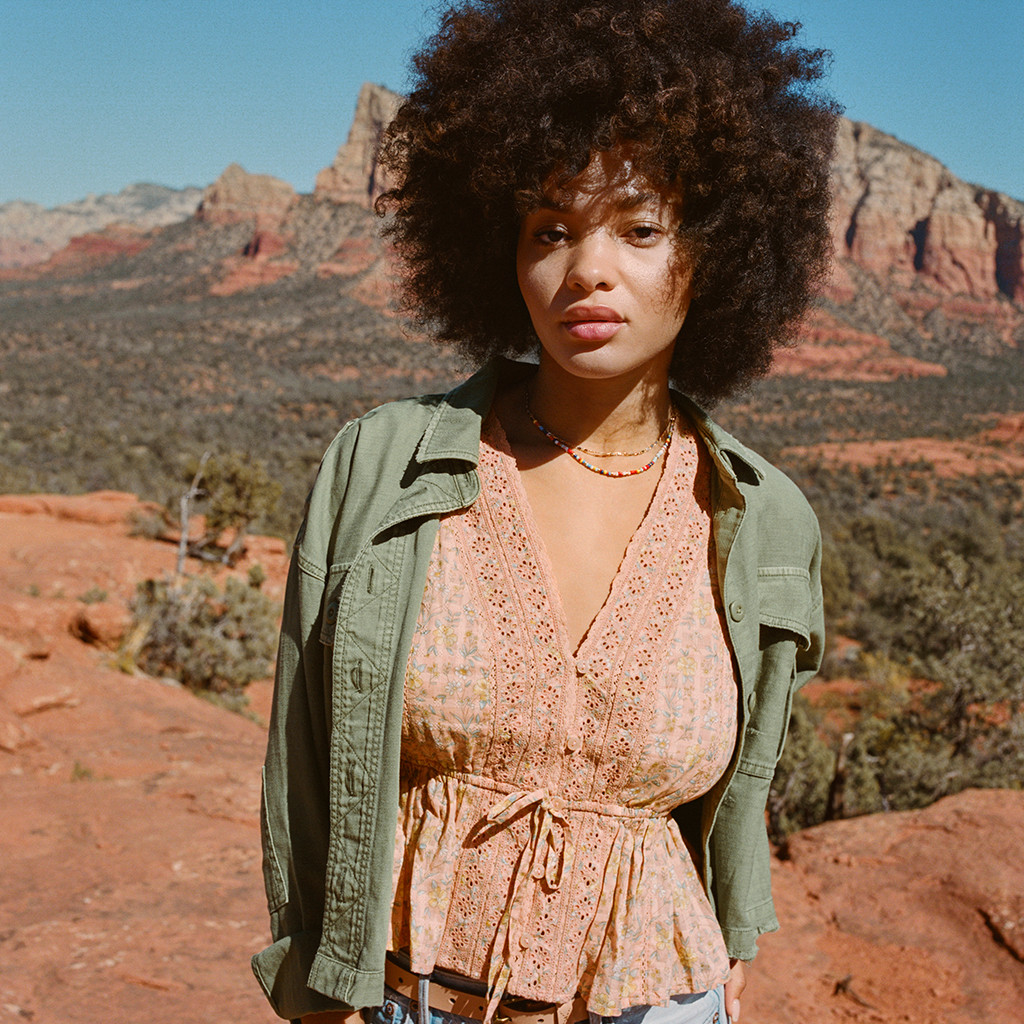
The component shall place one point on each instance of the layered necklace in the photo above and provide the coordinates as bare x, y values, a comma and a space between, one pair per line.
661, 443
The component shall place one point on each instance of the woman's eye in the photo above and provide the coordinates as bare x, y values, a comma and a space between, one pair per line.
645, 232
550, 236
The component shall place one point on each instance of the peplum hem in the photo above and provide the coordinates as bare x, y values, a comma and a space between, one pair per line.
640, 926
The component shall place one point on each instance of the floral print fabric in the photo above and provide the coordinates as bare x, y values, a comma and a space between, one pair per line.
534, 846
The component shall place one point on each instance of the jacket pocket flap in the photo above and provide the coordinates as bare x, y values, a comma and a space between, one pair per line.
332, 600
784, 598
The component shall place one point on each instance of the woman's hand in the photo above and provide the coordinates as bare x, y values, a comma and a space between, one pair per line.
733, 988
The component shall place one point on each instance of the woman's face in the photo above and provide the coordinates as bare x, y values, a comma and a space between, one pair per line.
602, 273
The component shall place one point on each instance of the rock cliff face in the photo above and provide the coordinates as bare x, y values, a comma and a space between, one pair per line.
354, 177
929, 270
237, 196
900, 214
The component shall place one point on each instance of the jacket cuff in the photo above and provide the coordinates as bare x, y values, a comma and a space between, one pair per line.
297, 980
741, 943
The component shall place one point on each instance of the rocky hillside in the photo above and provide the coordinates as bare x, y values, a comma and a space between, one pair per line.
30, 233
929, 269
265, 314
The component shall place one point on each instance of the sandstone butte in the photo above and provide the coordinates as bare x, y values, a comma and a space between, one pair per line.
919, 254
130, 849
899, 215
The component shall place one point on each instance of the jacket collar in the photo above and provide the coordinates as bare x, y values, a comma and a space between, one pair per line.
733, 459
453, 431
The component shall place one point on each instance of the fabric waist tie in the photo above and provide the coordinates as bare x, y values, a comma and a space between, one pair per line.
547, 855
543, 858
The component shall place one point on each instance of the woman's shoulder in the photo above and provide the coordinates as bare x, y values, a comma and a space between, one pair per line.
761, 482
780, 527
441, 425
401, 421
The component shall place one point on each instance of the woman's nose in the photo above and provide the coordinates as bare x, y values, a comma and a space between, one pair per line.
592, 264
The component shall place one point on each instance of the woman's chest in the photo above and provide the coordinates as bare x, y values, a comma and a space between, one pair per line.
495, 686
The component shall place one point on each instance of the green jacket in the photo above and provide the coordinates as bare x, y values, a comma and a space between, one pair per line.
330, 785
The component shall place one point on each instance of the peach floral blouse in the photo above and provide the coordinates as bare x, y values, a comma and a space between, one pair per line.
534, 847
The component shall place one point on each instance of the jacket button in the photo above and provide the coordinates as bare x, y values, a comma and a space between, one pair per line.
752, 702
736, 611
332, 611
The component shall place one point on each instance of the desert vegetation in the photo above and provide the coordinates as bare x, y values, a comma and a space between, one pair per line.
135, 377
212, 640
924, 580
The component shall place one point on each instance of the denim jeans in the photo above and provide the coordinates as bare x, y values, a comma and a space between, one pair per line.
698, 1008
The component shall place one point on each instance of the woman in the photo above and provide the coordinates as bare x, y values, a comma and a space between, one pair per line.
542, 633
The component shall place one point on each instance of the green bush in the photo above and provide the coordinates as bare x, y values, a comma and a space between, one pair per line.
235, 493
206, 638
240, 492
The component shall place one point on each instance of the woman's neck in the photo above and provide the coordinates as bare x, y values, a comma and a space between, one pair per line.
604, 414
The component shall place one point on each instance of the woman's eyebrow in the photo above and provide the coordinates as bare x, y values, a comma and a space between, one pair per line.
625, 201
631, 200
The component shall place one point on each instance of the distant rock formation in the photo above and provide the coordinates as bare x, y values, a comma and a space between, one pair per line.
30, 233
354, 177
929, 269
237, 196
900, 214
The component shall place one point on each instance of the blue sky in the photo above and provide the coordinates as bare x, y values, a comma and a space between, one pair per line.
98, 94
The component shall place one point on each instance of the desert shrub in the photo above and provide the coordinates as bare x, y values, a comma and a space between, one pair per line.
960, 626
239, 493
235, 493
941, 608
208, 639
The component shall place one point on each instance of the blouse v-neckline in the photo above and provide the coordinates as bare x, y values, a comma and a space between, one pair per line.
628, 565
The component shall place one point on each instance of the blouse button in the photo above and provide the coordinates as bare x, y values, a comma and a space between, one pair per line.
526, 941
736, 611
573, 743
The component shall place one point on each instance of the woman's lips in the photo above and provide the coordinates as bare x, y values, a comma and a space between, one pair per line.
597, 329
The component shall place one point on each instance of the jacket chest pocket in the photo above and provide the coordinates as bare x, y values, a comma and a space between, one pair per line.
784, 601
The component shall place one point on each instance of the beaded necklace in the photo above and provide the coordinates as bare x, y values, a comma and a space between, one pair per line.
626, 455
573, 453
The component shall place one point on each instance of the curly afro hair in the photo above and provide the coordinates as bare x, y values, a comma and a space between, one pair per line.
715, 103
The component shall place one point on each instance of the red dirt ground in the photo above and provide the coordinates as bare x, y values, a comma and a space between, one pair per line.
130, 847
